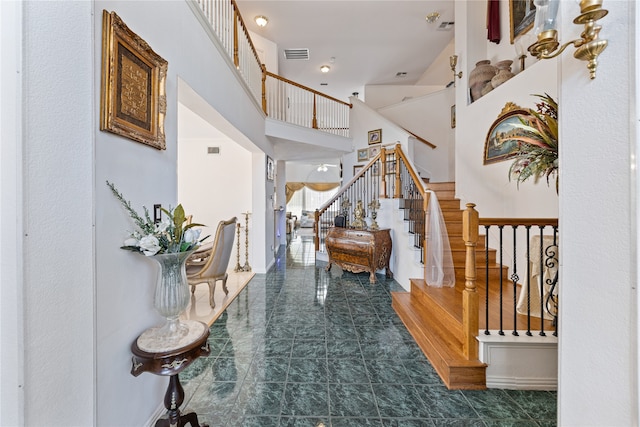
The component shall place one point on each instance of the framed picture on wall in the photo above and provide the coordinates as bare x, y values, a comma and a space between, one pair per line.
373, 151
357, 169
521, 17
271, 168
132, 91
363, 155
375, 136
501, 143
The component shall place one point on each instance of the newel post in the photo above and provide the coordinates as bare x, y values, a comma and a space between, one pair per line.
470, 294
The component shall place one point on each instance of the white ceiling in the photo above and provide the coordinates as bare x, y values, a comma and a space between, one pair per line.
371, 41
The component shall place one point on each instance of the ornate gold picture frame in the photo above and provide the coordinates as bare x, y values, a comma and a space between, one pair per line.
502, 139
133, 99
521, 17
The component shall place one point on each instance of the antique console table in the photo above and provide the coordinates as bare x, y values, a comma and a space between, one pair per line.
358, 250
154, 354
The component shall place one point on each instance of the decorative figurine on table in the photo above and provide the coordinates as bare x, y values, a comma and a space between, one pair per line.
373, 206
359, 215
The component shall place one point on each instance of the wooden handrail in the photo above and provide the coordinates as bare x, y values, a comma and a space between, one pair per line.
246, 33
416, 179
424, 141
527, 222
277, 77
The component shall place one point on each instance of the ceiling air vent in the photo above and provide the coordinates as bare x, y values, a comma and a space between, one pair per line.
301, 53
213, 150
446, 25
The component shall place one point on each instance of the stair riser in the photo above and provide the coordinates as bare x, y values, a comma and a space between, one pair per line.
438, 186
459, 257
439, 314
449, 204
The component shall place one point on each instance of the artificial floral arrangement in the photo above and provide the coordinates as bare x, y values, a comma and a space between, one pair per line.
537, 154
171, 235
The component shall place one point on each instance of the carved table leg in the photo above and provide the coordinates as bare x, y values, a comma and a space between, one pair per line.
172, 401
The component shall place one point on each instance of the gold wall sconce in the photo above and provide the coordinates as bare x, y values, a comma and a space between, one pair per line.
588, 46
453, 61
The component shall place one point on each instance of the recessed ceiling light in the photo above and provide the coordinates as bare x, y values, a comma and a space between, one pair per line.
325, 68
261, 21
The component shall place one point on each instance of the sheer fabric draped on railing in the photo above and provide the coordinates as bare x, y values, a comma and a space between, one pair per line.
391, 174
280, 98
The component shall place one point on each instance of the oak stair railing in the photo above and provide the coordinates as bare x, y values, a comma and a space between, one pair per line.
389, 174
446, 322
279, 98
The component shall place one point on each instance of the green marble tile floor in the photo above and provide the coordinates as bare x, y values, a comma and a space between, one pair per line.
304, 347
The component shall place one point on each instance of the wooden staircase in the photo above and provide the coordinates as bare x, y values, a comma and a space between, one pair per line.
434, 315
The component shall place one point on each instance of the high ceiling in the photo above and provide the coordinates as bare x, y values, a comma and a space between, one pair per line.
364, 42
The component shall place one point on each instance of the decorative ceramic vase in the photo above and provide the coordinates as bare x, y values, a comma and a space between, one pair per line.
504, 73
479, 76
172, 293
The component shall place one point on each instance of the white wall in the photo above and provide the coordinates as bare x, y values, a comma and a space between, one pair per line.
429, 117
11, 233
379, 96
598, 227
201, 175
58, 214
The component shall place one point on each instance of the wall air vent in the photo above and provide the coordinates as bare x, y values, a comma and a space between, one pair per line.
446, 26
301, 53
213, 150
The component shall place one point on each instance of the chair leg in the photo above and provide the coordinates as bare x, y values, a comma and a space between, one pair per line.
224, 284
193, 289
212, 289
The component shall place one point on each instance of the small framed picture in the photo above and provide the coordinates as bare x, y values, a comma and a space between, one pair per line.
270, 169
357, 169
453, 116
363, 155
375, 136
375, 169
373, 151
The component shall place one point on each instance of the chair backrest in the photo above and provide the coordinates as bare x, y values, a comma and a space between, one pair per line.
218, 261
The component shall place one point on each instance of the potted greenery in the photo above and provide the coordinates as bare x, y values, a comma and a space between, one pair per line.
537, 154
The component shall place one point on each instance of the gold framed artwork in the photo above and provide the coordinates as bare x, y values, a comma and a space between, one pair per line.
363, 155
521, 17
357, 169
375, 136
501, 142
132, 98
373, 151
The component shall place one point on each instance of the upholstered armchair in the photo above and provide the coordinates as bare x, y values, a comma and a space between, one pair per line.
210, 264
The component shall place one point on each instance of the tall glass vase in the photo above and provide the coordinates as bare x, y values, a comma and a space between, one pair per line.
172, 294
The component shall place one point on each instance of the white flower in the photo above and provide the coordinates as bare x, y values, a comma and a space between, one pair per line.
131, 242
149, 245
191, 235
162, 226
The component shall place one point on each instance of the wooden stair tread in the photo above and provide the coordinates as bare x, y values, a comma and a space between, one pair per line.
446, 357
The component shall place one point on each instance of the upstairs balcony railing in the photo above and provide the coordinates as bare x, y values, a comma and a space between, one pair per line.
280, 98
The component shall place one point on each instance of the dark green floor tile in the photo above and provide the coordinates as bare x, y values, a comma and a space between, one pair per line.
307, 371
387, 371
305, 399
269, 369
348, 371
538, 405
352, 400
442, 403
355, 422
342, 349
457, 422
510, 423
420, 371
494, 404
277, 347
406, 422
259, 421
304, 421
260, 398
303, 348
399, 400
